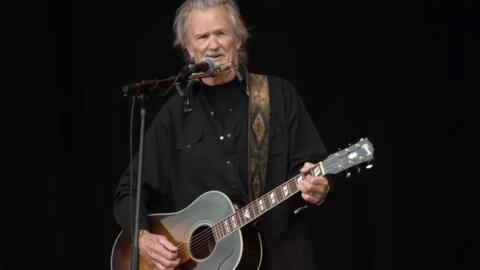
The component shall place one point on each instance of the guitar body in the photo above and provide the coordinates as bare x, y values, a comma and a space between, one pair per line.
194, 223
207, 232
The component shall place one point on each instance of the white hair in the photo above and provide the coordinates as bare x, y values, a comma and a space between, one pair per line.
179, 25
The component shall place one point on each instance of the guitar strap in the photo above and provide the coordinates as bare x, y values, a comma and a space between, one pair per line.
258, 133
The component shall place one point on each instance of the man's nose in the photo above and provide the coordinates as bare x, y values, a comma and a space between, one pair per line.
213, 43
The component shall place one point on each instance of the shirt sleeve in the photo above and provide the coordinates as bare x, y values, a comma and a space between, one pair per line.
154, 178
305, 143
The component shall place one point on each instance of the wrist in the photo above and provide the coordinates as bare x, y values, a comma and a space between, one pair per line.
327, 189
142, 233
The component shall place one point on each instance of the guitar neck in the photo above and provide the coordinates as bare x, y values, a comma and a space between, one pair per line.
360, 152
261, 205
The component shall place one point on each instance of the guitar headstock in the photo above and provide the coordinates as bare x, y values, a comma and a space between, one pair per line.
356, 154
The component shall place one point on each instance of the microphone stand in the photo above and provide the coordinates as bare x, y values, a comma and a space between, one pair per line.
135, 249
182, 81
141, 90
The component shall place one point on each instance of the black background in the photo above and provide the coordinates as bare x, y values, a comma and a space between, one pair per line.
402, 74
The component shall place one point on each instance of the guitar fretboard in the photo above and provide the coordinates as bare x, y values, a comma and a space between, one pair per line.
261, 205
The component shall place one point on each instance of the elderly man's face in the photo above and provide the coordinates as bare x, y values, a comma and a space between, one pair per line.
210, 34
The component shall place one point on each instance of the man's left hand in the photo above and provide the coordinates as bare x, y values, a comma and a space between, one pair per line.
314, 189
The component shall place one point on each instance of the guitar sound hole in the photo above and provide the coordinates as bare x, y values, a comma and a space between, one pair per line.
202, 242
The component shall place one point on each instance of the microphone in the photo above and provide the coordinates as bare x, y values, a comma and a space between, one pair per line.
206, 66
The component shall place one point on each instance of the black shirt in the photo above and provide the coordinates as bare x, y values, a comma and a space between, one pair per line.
228, 108
187, 154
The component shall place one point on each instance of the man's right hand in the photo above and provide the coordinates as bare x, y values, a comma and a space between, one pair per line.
158, 251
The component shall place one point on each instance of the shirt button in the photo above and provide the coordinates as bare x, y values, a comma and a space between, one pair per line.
221, 138
229, 135
230, 110
228, 162
212, 113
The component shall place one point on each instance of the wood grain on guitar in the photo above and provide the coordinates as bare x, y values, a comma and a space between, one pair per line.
211, 234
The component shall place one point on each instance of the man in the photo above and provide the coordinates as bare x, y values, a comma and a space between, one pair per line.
189, 153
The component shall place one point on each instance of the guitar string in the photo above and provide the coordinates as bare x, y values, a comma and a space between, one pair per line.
276, 191
238, 216
208, 235
199, 240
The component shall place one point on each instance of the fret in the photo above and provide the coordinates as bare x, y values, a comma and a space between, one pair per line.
300, 178
316, 171
267, 202
234, 222
279, 194
254, 210
246, 215
261, 205
219, 231
292, 186
320, 164
226, 226
215, 234
241, 219
285, 190
273, 199
224, 233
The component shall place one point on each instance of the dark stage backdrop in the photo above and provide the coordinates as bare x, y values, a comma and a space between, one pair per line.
403, 75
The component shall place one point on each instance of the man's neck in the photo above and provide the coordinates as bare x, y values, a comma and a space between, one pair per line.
220, 78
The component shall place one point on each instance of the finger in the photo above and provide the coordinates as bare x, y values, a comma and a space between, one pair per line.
163, 248
159, 266
158, 250
311, 188
321, 180
306, 167
167, 254
163, 263
318, 189
301, 187
167, 244
308, 198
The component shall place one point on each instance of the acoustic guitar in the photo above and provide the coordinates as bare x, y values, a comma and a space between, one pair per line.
210, 232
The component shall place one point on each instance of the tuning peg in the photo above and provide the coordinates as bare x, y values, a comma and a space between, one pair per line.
348, 174
359, 169
369, 166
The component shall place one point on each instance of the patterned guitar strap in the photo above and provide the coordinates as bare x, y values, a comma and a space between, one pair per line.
258, 133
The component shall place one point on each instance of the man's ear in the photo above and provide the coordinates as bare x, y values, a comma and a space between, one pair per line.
186, 57
189, 51
239, 44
